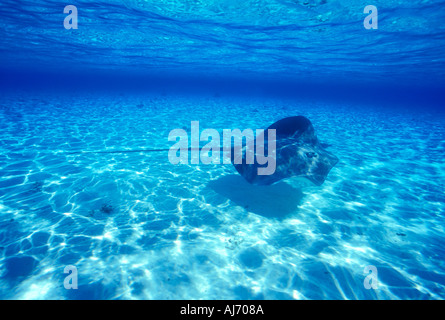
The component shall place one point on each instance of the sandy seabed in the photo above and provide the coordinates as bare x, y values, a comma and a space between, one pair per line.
137, 227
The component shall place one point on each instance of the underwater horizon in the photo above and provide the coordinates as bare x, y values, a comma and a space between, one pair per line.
92, 206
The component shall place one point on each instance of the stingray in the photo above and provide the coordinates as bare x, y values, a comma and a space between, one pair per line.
298, 154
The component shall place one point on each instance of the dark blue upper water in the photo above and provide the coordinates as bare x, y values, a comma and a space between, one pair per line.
301, 40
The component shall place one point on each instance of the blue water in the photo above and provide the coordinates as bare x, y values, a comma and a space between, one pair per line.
136, 226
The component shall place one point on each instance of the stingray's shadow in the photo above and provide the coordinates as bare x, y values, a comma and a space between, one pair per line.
274, 201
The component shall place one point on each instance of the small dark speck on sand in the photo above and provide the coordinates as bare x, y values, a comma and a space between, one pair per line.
106, 208
37, 186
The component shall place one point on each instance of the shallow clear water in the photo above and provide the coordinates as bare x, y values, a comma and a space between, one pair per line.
138, 227
200, 231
